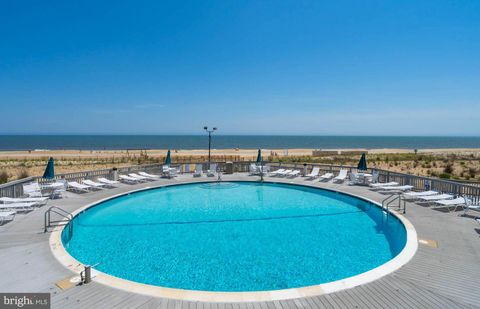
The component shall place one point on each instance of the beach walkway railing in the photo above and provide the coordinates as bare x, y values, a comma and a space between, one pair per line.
472, 191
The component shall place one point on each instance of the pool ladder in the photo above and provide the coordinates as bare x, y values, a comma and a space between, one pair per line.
65, 220
396, 199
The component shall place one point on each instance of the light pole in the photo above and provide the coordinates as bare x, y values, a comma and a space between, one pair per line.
209, 141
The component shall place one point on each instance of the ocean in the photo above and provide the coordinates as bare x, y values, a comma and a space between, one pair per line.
99, 142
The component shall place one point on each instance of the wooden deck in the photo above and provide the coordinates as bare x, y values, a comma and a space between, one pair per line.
444, 277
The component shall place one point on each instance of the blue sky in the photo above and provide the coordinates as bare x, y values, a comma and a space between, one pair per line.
248, 67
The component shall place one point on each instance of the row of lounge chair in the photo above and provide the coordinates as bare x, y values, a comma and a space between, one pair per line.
314, 174
10, 207
429, 197
88, 185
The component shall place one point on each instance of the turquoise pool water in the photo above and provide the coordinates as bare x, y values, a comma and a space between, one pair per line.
239, 236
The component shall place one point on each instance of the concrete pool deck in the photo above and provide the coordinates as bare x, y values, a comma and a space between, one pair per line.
444, 273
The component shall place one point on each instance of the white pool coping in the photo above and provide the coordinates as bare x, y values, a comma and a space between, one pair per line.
392, 265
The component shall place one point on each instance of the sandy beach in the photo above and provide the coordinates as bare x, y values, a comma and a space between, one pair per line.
243, 153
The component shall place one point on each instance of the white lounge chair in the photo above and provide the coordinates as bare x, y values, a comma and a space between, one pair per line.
198, 170
253, 170
108, 182
33, 190
77, 187
353, 179
6, 216
277, 172
326, 176
175, 171
151, 176
342, 175
416, 195
170, 172
313, 174
437, 197
459, 201
293, 174
375, 176
212, 170
284, 173
432, 198
263, 169
384, 184
469, 206
396, 188
93, 184
140, 178
19, 207
128, 179
39, 201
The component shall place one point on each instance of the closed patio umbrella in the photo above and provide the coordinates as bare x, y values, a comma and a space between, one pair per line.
259, 156
168, 160
50, 170
362, 164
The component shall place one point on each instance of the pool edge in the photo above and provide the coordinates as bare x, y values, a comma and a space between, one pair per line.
411, 245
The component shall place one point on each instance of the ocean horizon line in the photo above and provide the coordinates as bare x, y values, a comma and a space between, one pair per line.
188, 142
221, 134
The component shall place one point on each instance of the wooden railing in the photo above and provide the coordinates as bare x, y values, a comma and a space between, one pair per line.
15, 188
418, 182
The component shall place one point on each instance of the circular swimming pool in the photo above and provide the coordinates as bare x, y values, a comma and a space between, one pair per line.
235, 236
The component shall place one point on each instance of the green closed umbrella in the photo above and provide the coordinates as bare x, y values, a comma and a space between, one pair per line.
259, 156
50, 170
168, 160
362, 164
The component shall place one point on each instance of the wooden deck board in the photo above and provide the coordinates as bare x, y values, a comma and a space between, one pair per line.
443, 277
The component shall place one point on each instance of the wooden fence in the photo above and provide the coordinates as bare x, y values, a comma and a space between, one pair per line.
15, 188
469, 190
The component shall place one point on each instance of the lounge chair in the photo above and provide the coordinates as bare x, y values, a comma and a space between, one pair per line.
313, 174
108, 182
416, 195
211, 171
140, 178
326, 176
459, 201
293, 174
19, 207
128, 179
253, 170
284, 173
432, 198
277, 172
39, 201
396, 188
77, 187
175, 171
170, 172
198, 170
151, 176
33, 190
93, 184
375, 176
263, 169
469, 206
342, 175
437, 197
384, 184
7, 216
